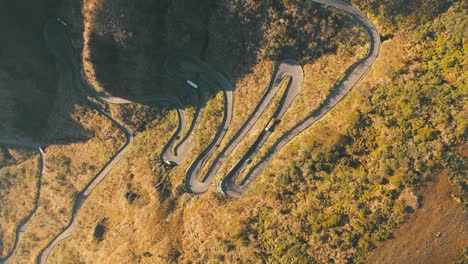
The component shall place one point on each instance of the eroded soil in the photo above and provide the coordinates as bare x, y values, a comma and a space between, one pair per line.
436, 233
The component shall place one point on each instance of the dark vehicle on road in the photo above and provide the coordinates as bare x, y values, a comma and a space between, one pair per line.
271, 125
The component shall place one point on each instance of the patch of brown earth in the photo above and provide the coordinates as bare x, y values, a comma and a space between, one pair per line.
436, 233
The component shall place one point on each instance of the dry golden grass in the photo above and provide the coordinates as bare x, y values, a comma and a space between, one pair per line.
67, 169
18, 196
262, 122
212, 228
319, 78
328, 130
138, 172
209, 124
58, 196
163, 223
89, 72
247, 94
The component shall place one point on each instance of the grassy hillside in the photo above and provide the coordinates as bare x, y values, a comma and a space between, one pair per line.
331, 195
142, 191
126, 43
18, 178
83, 141
390, 16
345, 189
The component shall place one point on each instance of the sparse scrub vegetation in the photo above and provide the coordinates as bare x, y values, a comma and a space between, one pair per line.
67, 169
391, 16
330, 196
260, 30
392, 141
19, 172
139, 117
335, 192
209, 124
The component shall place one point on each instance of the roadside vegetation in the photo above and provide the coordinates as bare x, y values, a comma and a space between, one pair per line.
143, 192
330, 196
125, 45
392, 16
140, 117
19, 172
343, 191
85, 141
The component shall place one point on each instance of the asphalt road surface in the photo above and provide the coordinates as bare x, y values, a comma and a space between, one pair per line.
175, 151
354, 74
194, 65
59, 44
285, 68
22, 225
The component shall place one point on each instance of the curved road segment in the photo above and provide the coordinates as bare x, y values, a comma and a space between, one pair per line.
56, 40
200, 67
59, 44
354, 74
286, 68
176, 67
22, 225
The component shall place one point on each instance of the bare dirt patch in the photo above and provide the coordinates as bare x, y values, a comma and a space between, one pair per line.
436, 233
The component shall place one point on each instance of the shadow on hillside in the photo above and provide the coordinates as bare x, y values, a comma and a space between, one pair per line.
32, 106
27, 72
130, 43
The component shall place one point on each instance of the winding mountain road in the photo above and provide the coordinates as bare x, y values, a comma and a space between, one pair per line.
59, 44
285, 68
55, 36
198, 66
354, 74
175, 152
22, 225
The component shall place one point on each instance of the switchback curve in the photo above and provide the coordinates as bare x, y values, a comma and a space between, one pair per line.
354, 74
